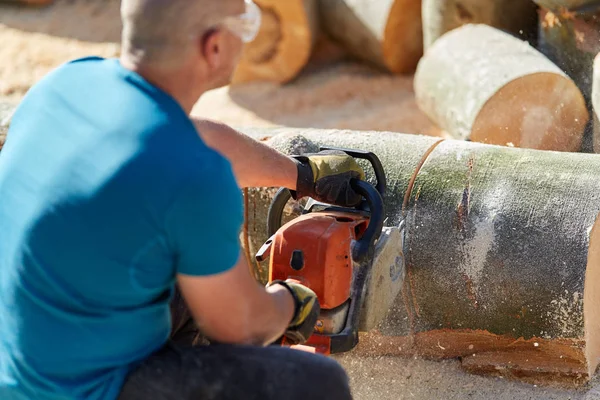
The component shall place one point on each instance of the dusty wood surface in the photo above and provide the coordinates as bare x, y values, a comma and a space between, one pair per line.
514, 16
479, 83
284, 44
558, 362
385, 33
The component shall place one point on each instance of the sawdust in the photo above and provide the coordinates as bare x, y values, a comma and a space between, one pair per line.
33, 42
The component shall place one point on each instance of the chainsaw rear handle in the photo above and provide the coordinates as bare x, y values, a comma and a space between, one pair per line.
372, 158
363, 247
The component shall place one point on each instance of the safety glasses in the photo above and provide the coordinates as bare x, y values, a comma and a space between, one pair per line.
245, 25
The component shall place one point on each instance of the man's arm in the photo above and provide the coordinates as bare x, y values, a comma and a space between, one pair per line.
254, 163
231, 307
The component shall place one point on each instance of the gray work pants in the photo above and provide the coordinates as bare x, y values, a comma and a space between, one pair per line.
187, 368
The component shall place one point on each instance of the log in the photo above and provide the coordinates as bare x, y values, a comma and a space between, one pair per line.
385, 33
571, 40
596, 104
481, 84
284, 44
497, 247
516, 17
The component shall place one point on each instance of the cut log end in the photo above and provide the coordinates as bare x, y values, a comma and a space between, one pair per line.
403, 37
386, 33
283, 45
544, 111
591, 299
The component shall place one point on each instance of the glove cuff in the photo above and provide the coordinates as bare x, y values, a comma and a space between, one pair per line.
297, 303
306, 180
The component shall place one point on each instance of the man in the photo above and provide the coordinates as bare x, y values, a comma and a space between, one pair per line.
111, 195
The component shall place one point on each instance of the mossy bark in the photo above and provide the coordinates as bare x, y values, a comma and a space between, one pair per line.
498, 241
516, 17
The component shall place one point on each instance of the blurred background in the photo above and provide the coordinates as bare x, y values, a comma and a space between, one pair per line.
351, 64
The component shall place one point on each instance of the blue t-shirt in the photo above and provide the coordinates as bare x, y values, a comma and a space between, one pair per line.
106, 193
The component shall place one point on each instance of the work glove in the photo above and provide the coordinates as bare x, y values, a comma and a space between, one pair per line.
306, 312
325, 176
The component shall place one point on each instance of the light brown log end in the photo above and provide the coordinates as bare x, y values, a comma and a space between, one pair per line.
403, 37
591, 301
543, 111
283, 45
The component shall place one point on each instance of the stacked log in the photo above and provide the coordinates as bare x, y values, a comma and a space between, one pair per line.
481, 84
284, 44
501, 247
385, 33
516, 17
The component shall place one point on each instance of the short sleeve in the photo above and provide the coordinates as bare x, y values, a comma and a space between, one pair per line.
204, 221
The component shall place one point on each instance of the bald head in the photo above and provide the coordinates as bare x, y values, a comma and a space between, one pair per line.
162, 32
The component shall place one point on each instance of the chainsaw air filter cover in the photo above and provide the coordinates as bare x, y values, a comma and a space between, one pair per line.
316, 249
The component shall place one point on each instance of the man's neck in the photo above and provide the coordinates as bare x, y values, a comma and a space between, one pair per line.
175, 83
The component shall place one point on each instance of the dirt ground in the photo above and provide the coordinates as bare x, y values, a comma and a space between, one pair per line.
349, 96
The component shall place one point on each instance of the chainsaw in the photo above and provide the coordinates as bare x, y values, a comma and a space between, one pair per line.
351, 261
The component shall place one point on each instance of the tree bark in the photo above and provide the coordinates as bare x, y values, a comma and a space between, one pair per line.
385, 33
497, 245
479, 83
284, 43
516, 17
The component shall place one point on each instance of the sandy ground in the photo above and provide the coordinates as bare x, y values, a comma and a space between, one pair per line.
34, 41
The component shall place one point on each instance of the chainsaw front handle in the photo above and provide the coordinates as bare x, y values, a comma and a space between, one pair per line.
364, 247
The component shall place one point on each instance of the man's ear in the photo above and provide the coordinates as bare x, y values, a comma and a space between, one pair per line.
210, 48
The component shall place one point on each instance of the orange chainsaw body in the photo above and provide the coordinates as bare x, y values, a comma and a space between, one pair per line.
316, 250
325, 265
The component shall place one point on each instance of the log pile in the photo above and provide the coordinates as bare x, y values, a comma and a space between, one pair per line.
483, 76
502, 248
